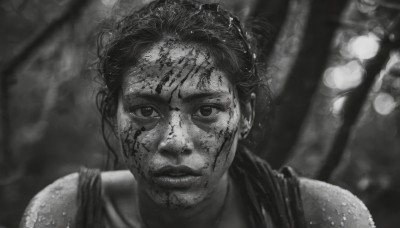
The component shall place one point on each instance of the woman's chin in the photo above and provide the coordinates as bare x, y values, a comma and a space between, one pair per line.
176, 198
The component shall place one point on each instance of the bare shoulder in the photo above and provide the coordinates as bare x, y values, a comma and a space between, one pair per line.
326, 205
55, 205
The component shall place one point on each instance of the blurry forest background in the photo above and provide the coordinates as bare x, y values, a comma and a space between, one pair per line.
334, 72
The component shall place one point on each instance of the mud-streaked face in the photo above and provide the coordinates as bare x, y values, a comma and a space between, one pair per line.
178, 123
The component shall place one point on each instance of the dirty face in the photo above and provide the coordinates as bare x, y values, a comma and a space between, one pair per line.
178, 123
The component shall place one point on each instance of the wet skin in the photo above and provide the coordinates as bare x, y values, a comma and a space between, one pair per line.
179, 121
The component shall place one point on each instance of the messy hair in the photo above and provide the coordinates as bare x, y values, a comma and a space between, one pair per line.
121, 45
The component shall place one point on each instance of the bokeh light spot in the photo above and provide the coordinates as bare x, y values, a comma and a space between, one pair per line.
384, 103
337, 105
344, 77
364, 47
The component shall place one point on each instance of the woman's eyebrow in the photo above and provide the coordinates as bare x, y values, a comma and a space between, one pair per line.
186, 98
147, 96
202, 95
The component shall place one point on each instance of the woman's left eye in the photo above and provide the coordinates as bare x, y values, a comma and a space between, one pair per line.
145, 112
206, 111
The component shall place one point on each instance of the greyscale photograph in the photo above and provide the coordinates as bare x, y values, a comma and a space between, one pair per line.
199, 113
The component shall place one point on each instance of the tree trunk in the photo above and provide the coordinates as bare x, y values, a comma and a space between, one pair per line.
303, 80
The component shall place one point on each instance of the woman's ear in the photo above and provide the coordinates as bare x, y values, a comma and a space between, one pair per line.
248, 113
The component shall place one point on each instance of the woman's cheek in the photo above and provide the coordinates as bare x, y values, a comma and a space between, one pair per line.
217, 144
224, 151
135, 149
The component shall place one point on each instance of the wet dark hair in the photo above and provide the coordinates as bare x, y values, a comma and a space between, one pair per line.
209, 25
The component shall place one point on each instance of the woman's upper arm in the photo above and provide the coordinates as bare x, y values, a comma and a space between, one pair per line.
54, 206
327, 205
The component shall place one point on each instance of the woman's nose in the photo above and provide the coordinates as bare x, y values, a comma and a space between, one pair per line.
176, 140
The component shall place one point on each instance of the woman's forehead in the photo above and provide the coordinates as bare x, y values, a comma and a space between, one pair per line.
169, 66
172, 51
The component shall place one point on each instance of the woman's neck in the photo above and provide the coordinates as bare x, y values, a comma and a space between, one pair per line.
206, 213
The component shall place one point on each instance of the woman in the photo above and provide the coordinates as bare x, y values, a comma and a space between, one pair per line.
181, 82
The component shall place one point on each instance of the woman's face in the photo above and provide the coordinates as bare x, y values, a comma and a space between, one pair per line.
178, 123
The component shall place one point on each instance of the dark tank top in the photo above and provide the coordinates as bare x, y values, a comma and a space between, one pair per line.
272, 198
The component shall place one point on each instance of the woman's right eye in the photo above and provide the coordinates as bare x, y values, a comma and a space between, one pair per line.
145, 112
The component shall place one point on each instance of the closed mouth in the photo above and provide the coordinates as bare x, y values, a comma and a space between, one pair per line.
176, 177
176, 171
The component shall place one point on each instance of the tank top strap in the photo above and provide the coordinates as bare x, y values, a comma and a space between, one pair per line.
284, 194
290, 185
90, 203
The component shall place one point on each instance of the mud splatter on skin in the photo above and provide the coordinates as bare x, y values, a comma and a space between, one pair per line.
131, 146
172, 130
220, 79
190, 73
230, 145
171, 82
228, 137
165, 63
234, 100
126, 142
167, 76
164, 54
219, 151
205, 78
164, 80
138, 132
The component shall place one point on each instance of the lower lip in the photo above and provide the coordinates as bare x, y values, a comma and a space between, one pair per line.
181, 182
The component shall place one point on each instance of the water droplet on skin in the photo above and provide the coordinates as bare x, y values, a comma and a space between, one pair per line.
30, 222
323, 209
230, 21
332, 223
371, 222
311, 223
64, 213
344, 218
344, 204
341, 224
